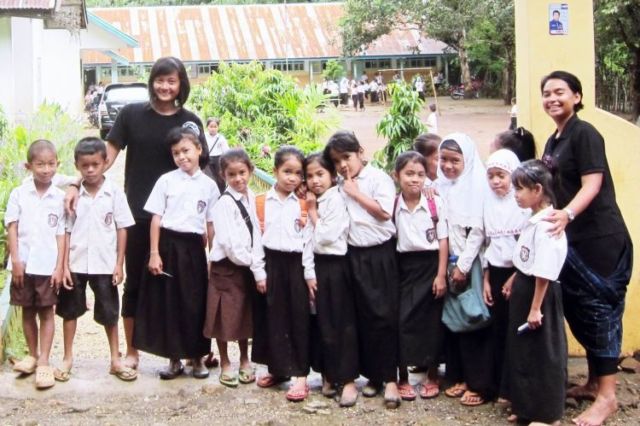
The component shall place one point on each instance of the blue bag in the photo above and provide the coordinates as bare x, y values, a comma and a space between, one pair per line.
467, 311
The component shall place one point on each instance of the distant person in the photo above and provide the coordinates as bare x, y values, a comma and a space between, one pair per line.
432, 119
353, 88
344, 91
218, 145
334, 93
513, 114
362, 90
419, 87
555, 26
373, 91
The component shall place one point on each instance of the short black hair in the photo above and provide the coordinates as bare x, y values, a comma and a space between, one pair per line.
38, 146
176, 134
165, 66
286, 151
318, 157
427, 144
232, 156
572, 81
341, 141
520, 141
89, 146
410, 157
533, 172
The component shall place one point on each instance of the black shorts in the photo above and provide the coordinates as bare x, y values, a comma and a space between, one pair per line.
72, 304
36, 292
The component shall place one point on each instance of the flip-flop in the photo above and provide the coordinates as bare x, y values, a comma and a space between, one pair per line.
407, 392
429, 390
246, 375
297, 395
471, 399
230, 380
26, 365
44, 377
61, 375
269, 381
456, 391
125, 374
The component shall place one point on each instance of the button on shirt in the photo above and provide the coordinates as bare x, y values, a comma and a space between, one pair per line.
537, 253
40, 220
332, 228
232, 239
364, 229
93, 240
185, 202
283, 231
416, 230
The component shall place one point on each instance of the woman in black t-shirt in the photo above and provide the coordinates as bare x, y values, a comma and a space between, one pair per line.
598, 267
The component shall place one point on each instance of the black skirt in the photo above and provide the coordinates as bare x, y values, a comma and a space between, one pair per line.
468, 356
421, 330
281, 317
536, 364
375, 281
334, 335
171, 311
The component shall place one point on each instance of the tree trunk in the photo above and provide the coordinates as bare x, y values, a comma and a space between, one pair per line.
507, 79
464, 61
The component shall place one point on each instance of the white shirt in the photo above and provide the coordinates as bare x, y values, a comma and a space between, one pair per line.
40, 220
232, 238
217, 144
416, 230
537, 253
184, 202
362, 88
419, 86
332, 228
282, 230
93, 240
432, 123
466, 247
373, 86
364, 229
344, 85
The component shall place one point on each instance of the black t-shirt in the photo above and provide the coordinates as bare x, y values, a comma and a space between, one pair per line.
143, 132
577, 152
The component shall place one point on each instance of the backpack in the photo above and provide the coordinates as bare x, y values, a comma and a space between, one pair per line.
260, 201
431, 204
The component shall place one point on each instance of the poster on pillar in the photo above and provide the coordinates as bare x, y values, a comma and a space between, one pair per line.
558, 19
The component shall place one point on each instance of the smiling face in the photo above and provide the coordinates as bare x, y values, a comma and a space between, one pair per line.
288, 175
411, 179
43, 166
186, 154
451, 163
558, 100
92, 168
348, 163
499, 181
319, 179
212, 127
167, 87
237, 175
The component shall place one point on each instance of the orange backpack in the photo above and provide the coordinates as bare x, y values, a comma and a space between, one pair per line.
260, 200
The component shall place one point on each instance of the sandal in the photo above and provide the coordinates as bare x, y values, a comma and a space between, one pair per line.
230, 380
429, 390
26, 365
247, 375
456, 391
61, 375
407, 392
125, 374
44, 377
471, 399
297, 395
269, 381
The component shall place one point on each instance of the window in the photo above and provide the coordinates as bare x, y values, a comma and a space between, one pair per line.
207, 69
126, 71
377, 64
420, 62
288, 66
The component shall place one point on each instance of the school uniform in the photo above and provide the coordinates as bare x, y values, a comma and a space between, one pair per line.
93, 252
421, 331
171, 310
218, 145
236, 258
40, 221
335, 344
374, 272
536, 367
281, 316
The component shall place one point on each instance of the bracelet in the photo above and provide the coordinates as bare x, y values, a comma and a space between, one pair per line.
570, 214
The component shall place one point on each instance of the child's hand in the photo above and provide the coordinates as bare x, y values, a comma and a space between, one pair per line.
71, 199
439, 286
262, 286
350, 186
457, 276
117, 276
429, 192
56, 278
301, 191
486, 293
155, 264
311, 200
17, 274
313, 288
534, 319
67, 281
506, 288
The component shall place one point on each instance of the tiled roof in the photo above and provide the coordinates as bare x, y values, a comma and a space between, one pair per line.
27, 4
214, 33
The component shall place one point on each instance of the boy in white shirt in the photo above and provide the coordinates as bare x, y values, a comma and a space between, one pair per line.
96, 240
35, 226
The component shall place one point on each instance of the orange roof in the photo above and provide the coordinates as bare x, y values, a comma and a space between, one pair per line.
242, 33
27, 4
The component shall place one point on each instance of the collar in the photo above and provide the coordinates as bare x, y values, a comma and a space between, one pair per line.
364, 172
568, 128
237, 195
106, 188
422, 204
272, 193
540, 215
327, 194
184, 175
31, 185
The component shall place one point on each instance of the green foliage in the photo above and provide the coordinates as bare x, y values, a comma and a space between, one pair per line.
334, 70
259, 107
4, 124
401, 125
49, 122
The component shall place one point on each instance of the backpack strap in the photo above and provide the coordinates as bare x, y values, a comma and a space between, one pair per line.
260, 200
244, 213
395, 207
431, 203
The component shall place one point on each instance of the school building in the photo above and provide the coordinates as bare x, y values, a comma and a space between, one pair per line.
296, 38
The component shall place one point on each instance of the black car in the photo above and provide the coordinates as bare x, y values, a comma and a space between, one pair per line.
116, 96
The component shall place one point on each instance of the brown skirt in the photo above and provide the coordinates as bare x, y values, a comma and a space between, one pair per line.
229, 302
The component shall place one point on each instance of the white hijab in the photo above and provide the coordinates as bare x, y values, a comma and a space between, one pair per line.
465, 195
502, 216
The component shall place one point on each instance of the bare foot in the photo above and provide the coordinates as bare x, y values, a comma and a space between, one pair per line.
598, 412
131, 360
588, 391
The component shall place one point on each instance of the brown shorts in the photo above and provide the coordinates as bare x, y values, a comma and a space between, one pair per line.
36, 292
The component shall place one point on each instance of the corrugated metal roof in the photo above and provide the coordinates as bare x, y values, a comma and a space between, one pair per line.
242, 33
27, 4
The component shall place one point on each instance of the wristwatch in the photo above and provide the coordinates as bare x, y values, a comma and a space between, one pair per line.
569, 213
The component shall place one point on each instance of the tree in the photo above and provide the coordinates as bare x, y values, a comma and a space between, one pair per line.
334, 70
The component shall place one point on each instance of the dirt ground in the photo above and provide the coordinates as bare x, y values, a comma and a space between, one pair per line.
92, 396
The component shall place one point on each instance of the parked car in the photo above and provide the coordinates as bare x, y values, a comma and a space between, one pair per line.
116, 96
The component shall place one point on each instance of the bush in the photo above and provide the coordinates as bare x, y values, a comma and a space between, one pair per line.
334, 70
260, 107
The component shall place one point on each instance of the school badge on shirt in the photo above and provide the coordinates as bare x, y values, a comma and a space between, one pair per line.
108, 219
201, 206
524, 253
431, 235
52, 220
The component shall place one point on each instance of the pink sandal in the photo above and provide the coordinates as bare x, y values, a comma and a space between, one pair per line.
297, 395
407, 392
